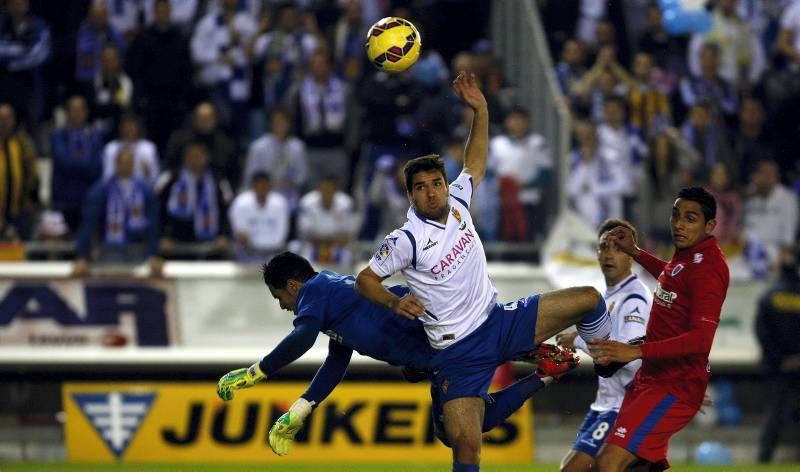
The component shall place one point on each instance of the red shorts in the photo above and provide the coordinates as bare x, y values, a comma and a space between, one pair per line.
647, 420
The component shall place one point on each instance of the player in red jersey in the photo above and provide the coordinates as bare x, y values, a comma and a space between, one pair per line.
668, 389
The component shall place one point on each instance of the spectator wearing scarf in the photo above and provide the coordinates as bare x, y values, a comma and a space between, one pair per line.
193, 202
126, 211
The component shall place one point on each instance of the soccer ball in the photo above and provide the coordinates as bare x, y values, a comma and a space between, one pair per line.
393, 44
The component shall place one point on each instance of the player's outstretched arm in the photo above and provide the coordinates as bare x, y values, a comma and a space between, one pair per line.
476, 153
329, 374
369, 285
282, 433
292, 347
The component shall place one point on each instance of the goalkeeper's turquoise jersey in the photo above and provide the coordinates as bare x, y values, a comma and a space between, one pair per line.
361, 325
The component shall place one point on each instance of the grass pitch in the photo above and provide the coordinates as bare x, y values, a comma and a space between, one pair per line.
352, 468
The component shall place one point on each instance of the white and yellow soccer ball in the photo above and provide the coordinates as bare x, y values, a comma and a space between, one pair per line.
393, 44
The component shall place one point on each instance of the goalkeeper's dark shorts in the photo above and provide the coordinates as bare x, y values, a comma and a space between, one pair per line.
466, 368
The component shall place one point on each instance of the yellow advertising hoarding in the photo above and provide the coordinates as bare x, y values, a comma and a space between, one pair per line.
186, 422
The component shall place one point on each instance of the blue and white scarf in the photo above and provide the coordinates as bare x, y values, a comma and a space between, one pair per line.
185, 203
125, 210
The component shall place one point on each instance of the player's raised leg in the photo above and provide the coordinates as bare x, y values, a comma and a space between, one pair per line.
579, 306
463, 418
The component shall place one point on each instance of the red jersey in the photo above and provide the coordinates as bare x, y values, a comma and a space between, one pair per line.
685, 315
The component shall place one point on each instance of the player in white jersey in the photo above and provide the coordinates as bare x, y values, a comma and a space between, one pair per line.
441, 256
629, 302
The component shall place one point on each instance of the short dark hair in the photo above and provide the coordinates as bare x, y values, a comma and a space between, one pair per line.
703, 197
259, 175
612, 223
519, 110
285, 266
431, 162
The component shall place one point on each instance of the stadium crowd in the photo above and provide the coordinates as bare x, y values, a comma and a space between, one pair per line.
654, 112
241, 127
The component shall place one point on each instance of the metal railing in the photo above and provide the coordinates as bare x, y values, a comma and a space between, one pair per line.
520, 42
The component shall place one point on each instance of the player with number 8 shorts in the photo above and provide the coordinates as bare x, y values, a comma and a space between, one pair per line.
629, 302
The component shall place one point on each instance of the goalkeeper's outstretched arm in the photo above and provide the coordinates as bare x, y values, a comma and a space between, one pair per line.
290, 349
328, 376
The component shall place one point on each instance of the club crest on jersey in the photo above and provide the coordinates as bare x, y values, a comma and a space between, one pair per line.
698, 257
383, 251
456, 214
676, 270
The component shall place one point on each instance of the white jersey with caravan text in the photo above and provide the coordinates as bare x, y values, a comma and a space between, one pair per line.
629, 305
445, 267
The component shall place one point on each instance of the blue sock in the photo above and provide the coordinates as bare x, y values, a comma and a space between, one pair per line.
466, 467
596, 323
505, 402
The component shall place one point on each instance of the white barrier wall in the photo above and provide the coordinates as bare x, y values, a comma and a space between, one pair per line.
220, 313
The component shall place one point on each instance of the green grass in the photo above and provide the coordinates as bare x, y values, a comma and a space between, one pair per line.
352, 468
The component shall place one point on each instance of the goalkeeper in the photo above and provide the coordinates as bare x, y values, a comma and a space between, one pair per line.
326, 302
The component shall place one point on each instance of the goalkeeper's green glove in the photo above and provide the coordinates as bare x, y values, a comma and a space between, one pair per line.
237, 379
282, 433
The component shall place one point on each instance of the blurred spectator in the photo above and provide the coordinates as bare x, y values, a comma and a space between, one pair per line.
112, 89
160, 65
571, 67
490, 75
486, 200
389, 102
439, 109
788, 43
324, 116
522, 162
595, 183
778, 328
649, 106
145, 155
707, 135
666, 172
605, 79
19, 185
709, 86
387, 192
606, 34
281, 53
24, 49
94, 33
281, 155
218, 49
348, 42
204, 129
182, 13
729, 205
259, 220
750, 143
453, 157
627, 148
125, 210
327, 223
77, 161
666, 50
770, 211
591, 13
742, 58
125, 17
193, 204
